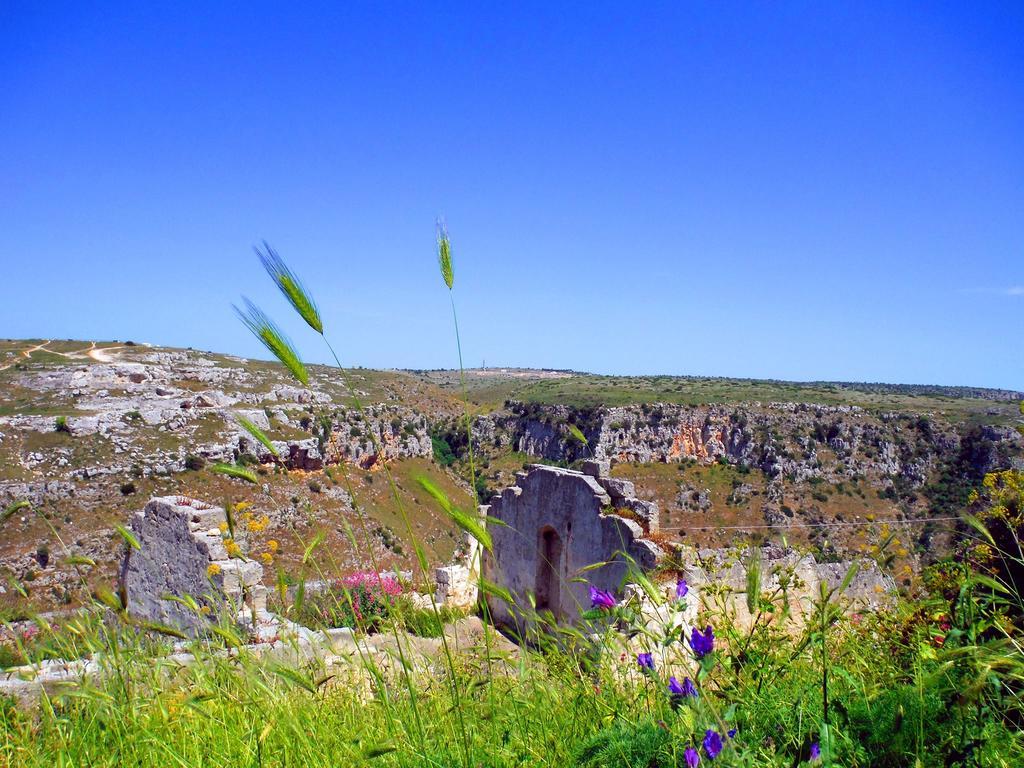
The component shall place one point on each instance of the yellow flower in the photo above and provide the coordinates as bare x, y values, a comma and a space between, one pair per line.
267, 558
242, 506
212, 570
205, 610
273, 546
223, 527
233, 549
257, 525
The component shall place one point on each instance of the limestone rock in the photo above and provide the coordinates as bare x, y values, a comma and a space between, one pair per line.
181, 554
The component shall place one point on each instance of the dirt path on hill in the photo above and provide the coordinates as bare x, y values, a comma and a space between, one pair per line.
99, 354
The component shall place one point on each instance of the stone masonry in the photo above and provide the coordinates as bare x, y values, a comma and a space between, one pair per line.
557, 522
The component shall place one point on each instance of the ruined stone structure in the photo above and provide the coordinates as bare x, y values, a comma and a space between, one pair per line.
718, 578
182, 553
556, 523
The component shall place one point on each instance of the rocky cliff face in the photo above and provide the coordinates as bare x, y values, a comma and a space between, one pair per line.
794, 440
916, 464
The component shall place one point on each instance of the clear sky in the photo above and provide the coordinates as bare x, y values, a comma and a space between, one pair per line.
789, 190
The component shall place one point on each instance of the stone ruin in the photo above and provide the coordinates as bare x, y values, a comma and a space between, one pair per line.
556, 524
182, 554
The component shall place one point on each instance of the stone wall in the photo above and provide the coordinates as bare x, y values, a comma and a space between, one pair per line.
555, 524
182, 553
718, 580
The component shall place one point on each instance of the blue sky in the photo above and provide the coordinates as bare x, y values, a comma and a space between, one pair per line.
788, 190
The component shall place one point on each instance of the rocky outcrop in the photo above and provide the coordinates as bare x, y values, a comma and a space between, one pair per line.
351, 436
797, 441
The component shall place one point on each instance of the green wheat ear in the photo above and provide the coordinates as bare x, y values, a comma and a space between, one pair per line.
290, 285
444, 254
264, 329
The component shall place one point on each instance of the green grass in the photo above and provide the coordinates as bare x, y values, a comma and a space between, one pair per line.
896, 698
490, 389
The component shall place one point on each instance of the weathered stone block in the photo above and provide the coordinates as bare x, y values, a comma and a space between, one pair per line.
181, 553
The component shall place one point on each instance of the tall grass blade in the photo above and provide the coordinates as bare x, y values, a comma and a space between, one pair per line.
233, 470
290, 285
754, 579
466, 522
258, 434
273, 338
575, 432
12, 509
294, 677
444, 255
980, 527
128, 536
496, 590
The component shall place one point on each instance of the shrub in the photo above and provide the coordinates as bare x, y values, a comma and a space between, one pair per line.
128, 488
626, 746
194, 463
60, 424
443, 454
424, 622
483, 492
361, 600
10, 656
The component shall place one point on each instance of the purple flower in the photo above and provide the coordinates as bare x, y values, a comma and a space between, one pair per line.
681, 691
815, 751
600, 598
732, 733
712, 743
692, 758
645, 661
702, 643
681, 589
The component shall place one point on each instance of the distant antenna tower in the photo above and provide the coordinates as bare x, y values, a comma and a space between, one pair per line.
483, 364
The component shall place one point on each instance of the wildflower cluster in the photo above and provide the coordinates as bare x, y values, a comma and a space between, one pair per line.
682, 689
363, 599
239, 538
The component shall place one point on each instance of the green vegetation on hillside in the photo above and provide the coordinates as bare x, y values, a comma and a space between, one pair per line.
490, 389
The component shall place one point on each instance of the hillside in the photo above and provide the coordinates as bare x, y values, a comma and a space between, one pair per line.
89, 431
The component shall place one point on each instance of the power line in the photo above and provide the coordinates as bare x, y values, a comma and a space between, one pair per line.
818, 525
